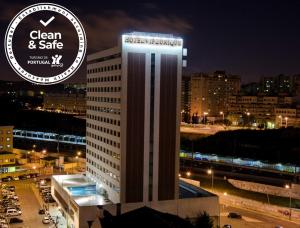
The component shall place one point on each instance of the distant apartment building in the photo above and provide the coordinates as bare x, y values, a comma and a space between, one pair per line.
65, 102
296, 85
6, 138
280, 84
262, 109
210, 92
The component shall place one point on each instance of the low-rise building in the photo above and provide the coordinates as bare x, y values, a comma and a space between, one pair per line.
6, 138
257, 109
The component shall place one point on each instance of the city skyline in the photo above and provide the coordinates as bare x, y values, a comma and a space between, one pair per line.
251, 39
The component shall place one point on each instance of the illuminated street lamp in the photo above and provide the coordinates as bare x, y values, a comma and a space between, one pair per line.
205, 114
280, 117
179, 175
78, 153
211, 172
77, 159
181, 119
286, 121
222, 113
188, 174
289, 187
225, 193
28, 153
44, 151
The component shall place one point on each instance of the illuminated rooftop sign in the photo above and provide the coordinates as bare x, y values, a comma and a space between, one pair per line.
160, 41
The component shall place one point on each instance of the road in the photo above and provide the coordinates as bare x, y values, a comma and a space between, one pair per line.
252, 219
29, 205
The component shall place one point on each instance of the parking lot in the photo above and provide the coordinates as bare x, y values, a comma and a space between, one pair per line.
23, 200
29, 205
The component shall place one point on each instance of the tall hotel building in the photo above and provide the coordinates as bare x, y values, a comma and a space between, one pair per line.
133, 116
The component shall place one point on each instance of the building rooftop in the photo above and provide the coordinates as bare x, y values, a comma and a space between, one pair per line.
187, 190
82, 190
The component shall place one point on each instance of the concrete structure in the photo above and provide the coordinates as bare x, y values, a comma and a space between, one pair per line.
133, 118
6, 138
65, 102
210, 92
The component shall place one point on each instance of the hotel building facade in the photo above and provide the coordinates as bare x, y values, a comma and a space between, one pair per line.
133, 115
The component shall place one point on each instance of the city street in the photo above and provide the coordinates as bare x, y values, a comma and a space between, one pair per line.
29, 205
251, 219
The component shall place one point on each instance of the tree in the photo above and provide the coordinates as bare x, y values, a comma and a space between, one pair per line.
203, 220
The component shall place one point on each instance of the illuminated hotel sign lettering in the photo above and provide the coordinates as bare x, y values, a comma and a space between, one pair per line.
153, 41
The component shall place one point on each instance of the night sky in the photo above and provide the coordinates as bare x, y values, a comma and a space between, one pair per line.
248, 38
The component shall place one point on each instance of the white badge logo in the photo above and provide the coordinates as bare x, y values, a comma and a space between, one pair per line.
45, 57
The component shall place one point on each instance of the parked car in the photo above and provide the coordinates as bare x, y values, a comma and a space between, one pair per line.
11, 188
227, 226
234, 215
5, 179
15, 178
15, 220
46, 220
13, 212
9, 177
14, 197
34, 175
22, 177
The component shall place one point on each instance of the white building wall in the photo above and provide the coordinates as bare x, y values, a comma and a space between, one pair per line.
103, 127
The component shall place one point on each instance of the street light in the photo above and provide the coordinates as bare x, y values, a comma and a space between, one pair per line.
28, 152
181, 119
280, 117
77, 160
289, 187
78, 153
211, 172
44, 151
188, 173
204, 114
286, 121
222, 113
